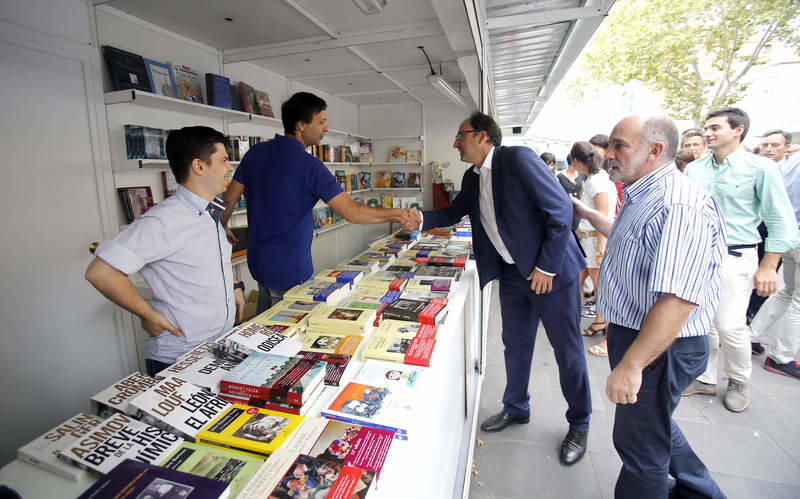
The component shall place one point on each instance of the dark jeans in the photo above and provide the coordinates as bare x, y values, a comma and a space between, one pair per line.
646, 437
155, 366
268, 297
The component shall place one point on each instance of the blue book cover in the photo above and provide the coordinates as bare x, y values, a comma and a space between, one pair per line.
219, 90
161, 77
138, 479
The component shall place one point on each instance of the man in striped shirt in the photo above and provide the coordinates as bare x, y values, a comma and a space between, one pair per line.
659, 289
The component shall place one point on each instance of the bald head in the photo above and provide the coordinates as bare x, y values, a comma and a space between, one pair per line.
639, 146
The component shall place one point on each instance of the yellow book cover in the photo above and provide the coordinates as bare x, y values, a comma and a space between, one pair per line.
249, 430
390, 341
343, 319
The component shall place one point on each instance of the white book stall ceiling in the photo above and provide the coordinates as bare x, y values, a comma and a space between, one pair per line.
367, 67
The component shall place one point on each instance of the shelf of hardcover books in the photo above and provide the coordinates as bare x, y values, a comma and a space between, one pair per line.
142, 98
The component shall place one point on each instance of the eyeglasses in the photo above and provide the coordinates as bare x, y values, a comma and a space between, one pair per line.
461, 133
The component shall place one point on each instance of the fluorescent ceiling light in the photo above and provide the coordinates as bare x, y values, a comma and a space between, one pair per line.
371, 6
441, 85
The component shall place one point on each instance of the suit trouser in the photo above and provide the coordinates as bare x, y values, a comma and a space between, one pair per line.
559, 311
646, 437
730, 322
777, 324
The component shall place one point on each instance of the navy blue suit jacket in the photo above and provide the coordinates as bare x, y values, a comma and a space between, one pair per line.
534, 218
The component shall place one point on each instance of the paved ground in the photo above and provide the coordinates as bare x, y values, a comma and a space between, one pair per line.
752, 454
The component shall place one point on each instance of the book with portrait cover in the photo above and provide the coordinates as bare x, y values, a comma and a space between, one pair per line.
179, 407
413, 179
187, 81
218, 90
364, 180
340, 321
249, 430
161, 78
43, 451
118, 438
403, 342
213, 462
117, 397
126, 69
135, 479
422, 311
276, 378
383, 179
247, 98
262, 104
373, 406
329, 344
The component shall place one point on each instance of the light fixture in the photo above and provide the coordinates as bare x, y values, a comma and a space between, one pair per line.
441, 85
369, 7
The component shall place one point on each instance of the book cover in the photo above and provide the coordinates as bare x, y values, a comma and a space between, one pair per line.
169, 183
366, 301
397, 154
250, 430
383, 179
439, 272
340, 320
247, 98
276, 378
288, 317
188, 83
431, 284
414, 156
162, 81
364, 265
262, 104
118, 438
365, 180
374, 406
299, 410
214, 463
139, 480
218, 90
43, 451
246, 339
236, 101
126, 69
179, 407
325, 343
402, 342
200, 367
288, 474
413, 179
398, 179
365, 152
117, 397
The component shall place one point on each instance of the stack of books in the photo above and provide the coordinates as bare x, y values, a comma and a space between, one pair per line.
340, 321
429, 312
251, 431
403, 342
376, 283
331, 293
292, 313
429, 285
351, 277
117, 397
219, 464
238, 343
200, 367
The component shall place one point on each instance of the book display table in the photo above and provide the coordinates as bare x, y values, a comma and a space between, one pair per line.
434, 462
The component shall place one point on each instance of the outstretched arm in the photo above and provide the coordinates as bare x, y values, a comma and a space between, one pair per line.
356, 213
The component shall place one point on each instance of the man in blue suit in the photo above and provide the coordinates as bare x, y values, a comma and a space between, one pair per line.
521, 219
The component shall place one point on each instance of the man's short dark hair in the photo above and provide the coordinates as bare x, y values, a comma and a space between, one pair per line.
786, 135
485, 123
600, 140
693, 132
548, 158
188, 143
301, 106
735, 117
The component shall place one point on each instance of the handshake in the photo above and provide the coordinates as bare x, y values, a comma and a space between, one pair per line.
409, 218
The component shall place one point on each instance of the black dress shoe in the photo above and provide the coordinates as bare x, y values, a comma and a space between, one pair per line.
500, 420
573, 447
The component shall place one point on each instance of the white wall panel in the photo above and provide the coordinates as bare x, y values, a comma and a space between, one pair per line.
68, 19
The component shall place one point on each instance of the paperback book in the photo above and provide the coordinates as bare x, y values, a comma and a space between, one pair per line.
438, 272
440, 285
162, 81
247, 98
276, 378
402, 342
340, 321
383, 179
332, 345
262, 104
351, 277
179, 407
118, 438
247, 339
367, 266
200, 367
214, 463
142, 480
422, 311
300, 410
187, 81
117, 397
43, 451
373, 406
249, 430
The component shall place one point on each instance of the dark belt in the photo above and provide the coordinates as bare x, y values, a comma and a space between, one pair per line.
732, 249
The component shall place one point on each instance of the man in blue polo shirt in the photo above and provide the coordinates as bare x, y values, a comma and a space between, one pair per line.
282, 183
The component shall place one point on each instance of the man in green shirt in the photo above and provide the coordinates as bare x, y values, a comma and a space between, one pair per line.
749, 189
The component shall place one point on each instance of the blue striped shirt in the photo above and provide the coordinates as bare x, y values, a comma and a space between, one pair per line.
669, 237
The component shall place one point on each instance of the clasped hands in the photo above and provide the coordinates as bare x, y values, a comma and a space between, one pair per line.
409, 219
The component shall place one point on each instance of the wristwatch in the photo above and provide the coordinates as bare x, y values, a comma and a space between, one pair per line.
239, 285
599, 253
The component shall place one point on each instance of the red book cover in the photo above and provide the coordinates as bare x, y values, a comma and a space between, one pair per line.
397, 284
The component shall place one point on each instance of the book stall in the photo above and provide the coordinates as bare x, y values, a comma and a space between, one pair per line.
363, 382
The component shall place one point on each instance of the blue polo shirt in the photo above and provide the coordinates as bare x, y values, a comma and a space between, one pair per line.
282, 183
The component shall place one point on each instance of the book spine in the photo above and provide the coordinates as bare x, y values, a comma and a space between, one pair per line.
344, 419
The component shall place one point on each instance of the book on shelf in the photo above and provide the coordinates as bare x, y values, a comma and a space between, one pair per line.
414, 156
179, 407
236, 102
398, 179
117, 397
364, 180
214, 463
262, 104
135, 201
387, 201
218, 90
298, 410
169, 183
340, 321
246, 339
250, 430
200, 367
188, 83
142, 480
161, 78
117, 438
413, 179
277, 378
402, 342
126, 69
145, 142
247, 98
43, 451
383, 179
422, 311
430, 284
397, 154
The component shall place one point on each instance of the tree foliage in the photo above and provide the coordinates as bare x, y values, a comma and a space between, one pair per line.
694, 52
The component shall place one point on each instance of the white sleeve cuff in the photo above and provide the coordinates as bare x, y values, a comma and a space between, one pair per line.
550, 274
